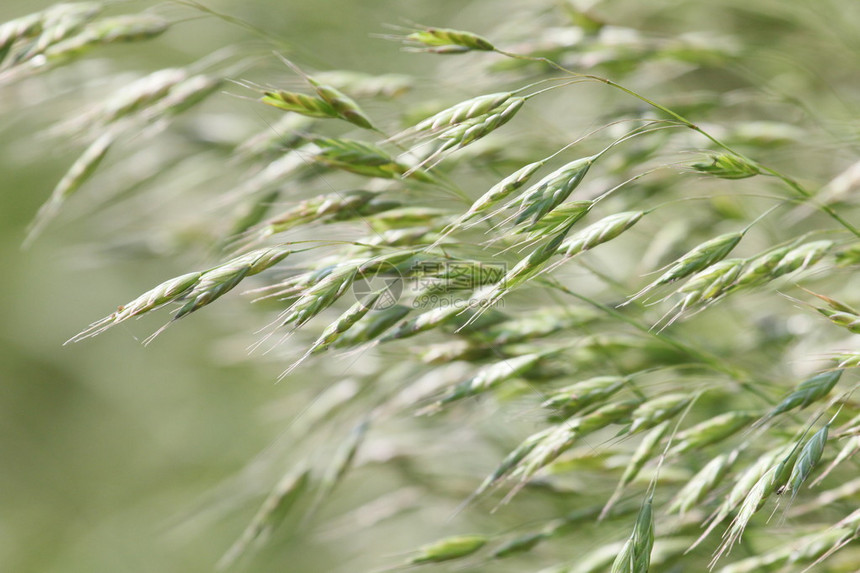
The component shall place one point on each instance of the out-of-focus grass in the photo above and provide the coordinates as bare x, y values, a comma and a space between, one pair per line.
108, 448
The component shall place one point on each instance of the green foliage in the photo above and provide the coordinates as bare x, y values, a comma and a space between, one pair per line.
393, 224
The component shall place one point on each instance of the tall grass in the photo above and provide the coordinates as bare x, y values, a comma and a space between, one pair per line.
597, 311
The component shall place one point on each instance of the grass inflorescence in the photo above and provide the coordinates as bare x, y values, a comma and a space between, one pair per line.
648, 346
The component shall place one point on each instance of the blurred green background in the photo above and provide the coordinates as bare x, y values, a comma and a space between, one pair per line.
117, 457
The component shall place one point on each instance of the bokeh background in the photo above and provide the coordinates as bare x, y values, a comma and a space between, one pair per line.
116, 456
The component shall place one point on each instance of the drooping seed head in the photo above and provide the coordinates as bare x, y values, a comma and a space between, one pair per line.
185, 95
343, 105
552, 190
152, 299
532, 264
364, 159
463, 111
320, 296
52, 25
80, 171
727, 166
809, 456
604, 230
503, 188
802, 257
612, 413
491, 376
425, 321
299, 103
715, 280
760, 269
513, 459
372, 326
466, 133
84, 166
140, 94
700, 257
657, 410
808, 391
644, 452
126, 28
340, 206
439, 40
519, 544
265, 258
271, 514
710, 284
847, 320
701, 484
571, 399
711, 431
18, 30
367, 85
448, 549
635, 555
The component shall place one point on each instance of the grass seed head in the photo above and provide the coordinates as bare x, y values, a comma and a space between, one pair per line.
603, 230
271, 514
569, 400
140, 94
185, 95
343, 105
299, 103
635, 555
520, 544
802, 257
319, 297
472, 130
552, 190
126, 28
760, 270
807, 392
503, 189
367, 85
16, 32
848, 320
711, 431
373, 326
657, 410
727, 166
448, 549
157, 297
80, 171
448, 41
714, 281
50, 26
697, 259
425, 321
809, 456
463, 111
338, 206
491, 376
364, 159
612, 413
701, 484
212, 285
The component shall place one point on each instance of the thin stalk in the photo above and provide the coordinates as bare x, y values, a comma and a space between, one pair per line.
790, 182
